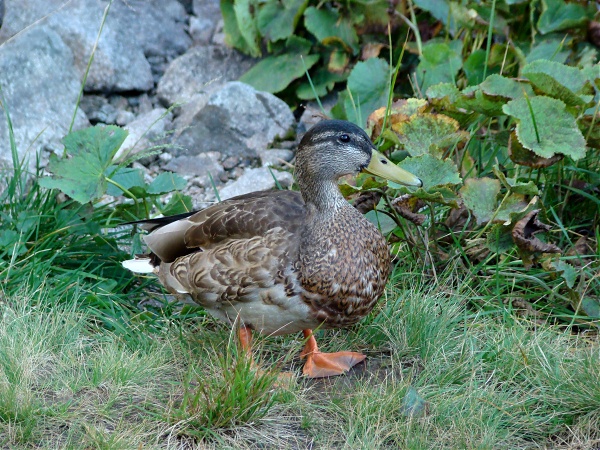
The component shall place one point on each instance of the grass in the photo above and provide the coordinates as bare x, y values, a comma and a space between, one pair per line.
438, 376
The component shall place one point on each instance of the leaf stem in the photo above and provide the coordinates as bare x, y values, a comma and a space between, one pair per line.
537, 134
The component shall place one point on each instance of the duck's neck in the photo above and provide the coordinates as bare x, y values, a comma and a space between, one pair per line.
324, 195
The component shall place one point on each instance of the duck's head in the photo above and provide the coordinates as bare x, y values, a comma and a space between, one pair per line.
334, 148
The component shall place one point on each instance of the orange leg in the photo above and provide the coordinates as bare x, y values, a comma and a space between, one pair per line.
319, 365
245, 337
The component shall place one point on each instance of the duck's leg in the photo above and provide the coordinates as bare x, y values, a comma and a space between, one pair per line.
320, 364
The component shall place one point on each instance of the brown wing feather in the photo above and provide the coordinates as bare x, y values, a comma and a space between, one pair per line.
238, 218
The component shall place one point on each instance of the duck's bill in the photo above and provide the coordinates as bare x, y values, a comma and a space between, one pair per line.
383, 167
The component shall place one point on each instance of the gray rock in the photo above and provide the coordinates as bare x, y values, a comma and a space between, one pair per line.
201, 70
124, 117
133, 29
255, 180
98, 109
207, 14
146, 131
201, 167
237, 120
275, 157
1, 12
39, 98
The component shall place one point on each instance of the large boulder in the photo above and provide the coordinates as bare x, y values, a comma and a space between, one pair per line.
237, 120
134, 31
39, 88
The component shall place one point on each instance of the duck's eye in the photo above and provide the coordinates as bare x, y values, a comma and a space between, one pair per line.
344, 138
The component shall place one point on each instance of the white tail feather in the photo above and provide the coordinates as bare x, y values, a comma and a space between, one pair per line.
141, 265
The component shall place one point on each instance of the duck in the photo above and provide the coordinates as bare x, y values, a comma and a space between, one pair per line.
281, 262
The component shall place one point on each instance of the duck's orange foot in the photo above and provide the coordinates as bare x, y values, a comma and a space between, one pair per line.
319, 365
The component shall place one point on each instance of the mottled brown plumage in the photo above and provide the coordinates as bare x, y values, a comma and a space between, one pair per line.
280, 261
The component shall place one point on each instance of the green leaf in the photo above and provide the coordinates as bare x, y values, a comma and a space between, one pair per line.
499, 86
125, 177
591, 306
82, 175
413, 405
499, 238
178, 203
550, 49
328, 26
383, 222
323, 82
480, 195
233, 36
10, 241
568, 272
431, 170
557, 128
430, 134
440, 63
277, 19
474, 67
275, 73
514, 203
558, 15
568, 84
166, 182
368, 85
247, 25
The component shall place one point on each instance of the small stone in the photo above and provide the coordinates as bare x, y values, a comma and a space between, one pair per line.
230, 162
275, 157
201, 29
124, 118
201, 168
146, 131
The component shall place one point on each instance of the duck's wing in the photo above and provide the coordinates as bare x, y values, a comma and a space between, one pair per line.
241, 217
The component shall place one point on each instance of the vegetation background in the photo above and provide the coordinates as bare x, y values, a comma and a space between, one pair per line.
487, 336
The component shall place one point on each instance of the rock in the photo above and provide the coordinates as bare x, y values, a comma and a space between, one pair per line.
124, 117
98, 109
146, 131
39, 97
203, 24
237, 120
198, 166
201, 70
275, 157
133, 30
1, 12
255, 180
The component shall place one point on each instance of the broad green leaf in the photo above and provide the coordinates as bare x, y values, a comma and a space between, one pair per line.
474, 67
10, 242
557, 129
512, 204
499, 86
474, 99
82, 175
233, 36
427, 133
499, 238
568, 272
559, 15
247, 25
441, 195
480, 195
413, 405
323, 82
178, 203
327, 25
550, 49
431, 170
440, 63
383, 222
277, 20
125, 177
591, 306
368, 86
166, 182
566, 83
275, 73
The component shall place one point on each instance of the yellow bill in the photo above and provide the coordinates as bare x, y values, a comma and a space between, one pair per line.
383, 167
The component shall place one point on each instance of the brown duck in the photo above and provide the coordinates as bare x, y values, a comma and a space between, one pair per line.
279, 262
